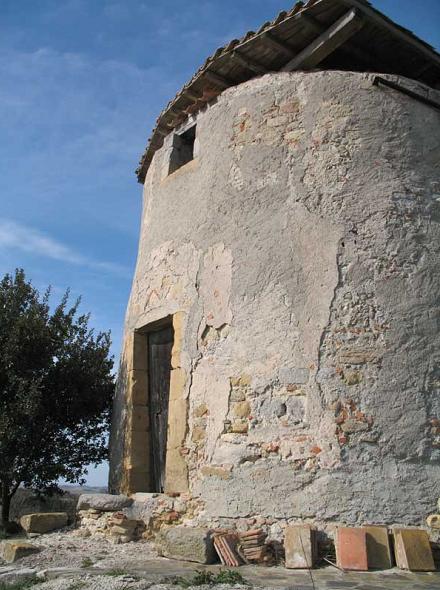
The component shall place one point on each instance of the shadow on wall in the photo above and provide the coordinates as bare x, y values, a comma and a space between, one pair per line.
117, 431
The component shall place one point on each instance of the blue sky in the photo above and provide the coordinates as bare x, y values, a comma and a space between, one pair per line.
82, 82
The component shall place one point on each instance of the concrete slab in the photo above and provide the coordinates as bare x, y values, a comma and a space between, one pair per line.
156, 570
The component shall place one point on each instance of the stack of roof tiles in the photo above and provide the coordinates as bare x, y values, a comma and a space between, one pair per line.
253, 547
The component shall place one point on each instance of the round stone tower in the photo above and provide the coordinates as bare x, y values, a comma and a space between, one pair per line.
281, 356
296, 256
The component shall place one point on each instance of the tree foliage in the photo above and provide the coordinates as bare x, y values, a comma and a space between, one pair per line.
56, 386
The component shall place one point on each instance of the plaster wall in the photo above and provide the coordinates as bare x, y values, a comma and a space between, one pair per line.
300, 250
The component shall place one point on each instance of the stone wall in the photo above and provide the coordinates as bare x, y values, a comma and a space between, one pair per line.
143, 516
299, 251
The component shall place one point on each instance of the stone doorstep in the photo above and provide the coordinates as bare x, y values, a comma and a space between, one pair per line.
103, 502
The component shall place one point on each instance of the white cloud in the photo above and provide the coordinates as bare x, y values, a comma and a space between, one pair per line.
73, 127
14, 236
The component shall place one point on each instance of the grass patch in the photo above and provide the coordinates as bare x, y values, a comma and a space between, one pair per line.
230, 577
86, 562
207, 578
117, 571
77, 585
121, 572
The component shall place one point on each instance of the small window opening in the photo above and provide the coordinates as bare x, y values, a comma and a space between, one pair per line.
183, 149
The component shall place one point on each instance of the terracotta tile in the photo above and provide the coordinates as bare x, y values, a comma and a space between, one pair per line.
351, 548
378, 547
225, 546
413, 550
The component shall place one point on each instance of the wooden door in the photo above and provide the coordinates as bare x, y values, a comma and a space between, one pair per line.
160, 344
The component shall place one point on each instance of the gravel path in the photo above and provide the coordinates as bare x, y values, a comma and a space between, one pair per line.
65, 549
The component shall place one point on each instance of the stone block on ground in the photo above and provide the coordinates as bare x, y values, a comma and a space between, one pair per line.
413, 550
300, 545
43, 522
27, 501
103, 502
187, 544
12, 551
378, 547
351, 549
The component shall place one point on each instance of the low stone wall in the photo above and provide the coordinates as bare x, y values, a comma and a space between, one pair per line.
140, 517
28, 502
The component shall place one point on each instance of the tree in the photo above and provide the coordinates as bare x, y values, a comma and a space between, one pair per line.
56, 386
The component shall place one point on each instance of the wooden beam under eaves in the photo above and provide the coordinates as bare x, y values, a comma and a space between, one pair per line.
348, 48
249, 64
312, 23
174, 114
277, 44
160, 130
375, 17
326, 43
217, 79
191, 95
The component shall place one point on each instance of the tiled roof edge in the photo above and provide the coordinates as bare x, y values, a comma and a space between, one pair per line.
171, 117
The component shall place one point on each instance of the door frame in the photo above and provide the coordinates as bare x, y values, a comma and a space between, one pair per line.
137, 471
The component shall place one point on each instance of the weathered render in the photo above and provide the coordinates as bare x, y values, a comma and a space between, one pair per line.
298, 257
